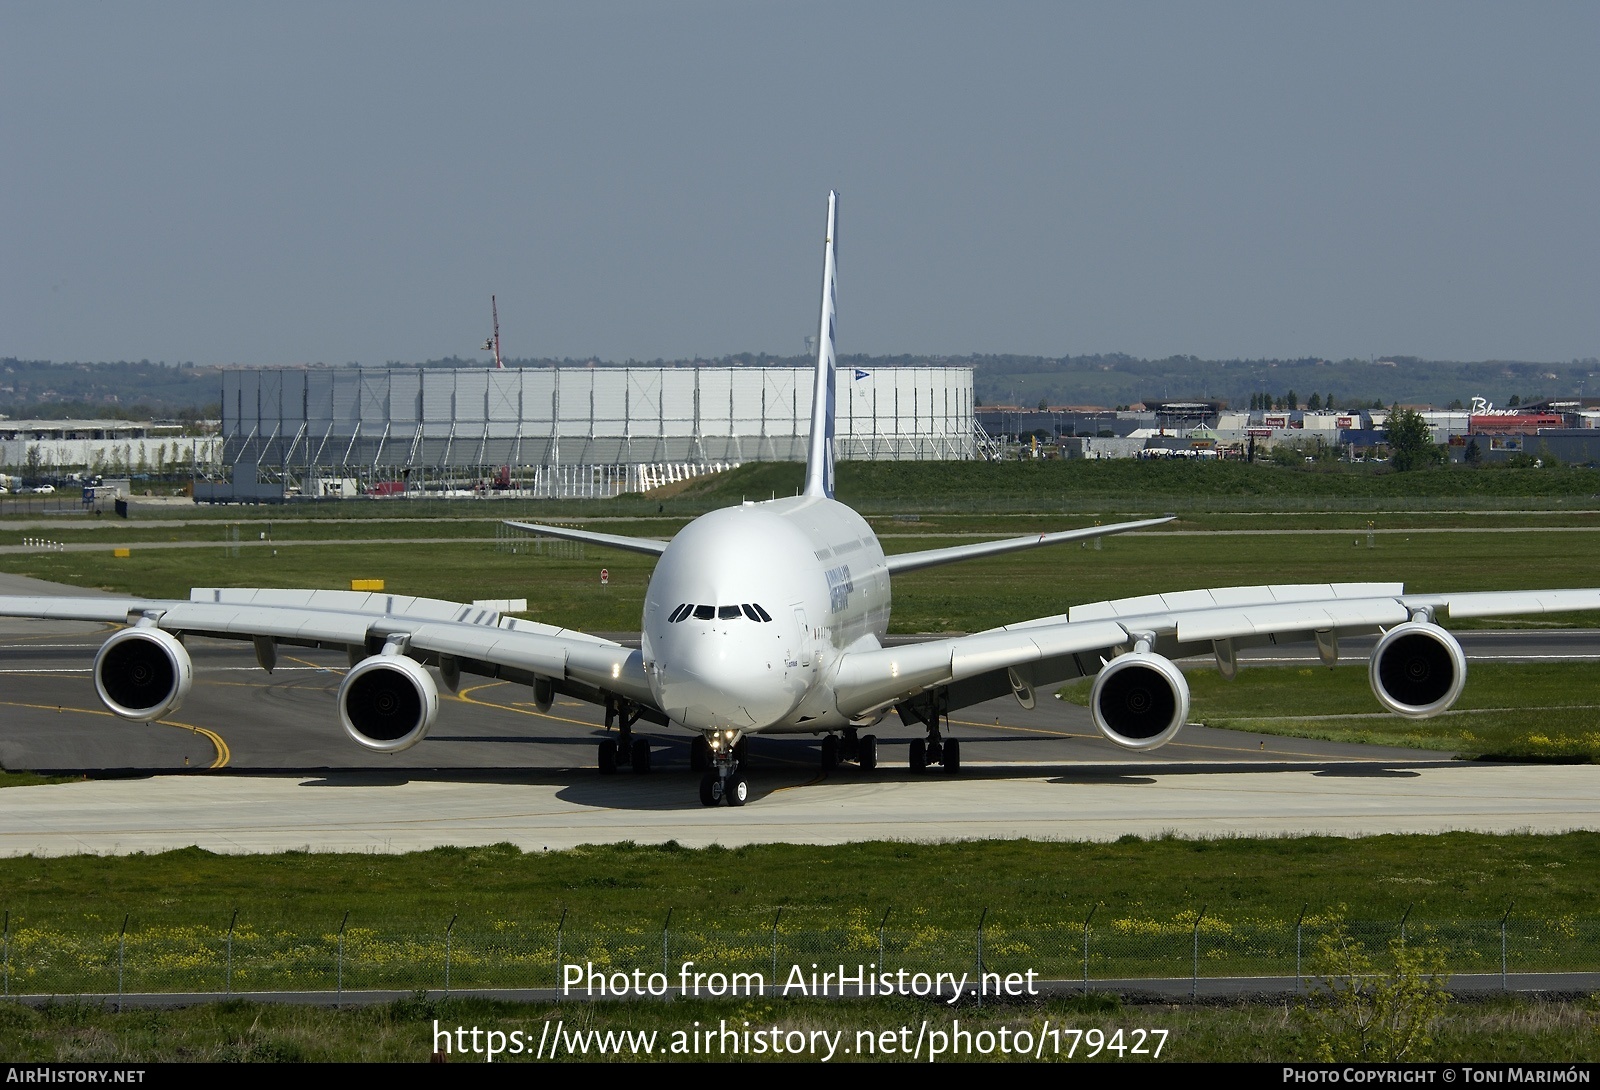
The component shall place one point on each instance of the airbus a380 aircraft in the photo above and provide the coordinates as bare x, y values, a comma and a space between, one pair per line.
770, 618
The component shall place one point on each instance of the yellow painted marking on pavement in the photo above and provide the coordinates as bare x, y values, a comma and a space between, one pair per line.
1390, 715
465, 695
315, 665
1007, 726
224, 754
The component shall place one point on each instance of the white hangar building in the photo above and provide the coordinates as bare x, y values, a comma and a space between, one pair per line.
592, 431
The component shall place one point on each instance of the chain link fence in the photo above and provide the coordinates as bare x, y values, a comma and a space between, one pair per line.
42, 958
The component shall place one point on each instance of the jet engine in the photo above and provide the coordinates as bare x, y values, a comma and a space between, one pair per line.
388, 702
143, 673
1417, 670
1140, 700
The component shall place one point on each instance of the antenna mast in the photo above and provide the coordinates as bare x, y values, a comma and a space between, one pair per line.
493, 343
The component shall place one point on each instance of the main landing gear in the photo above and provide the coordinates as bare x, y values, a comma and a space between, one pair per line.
863, 750
935, 749
624, 747
724, 780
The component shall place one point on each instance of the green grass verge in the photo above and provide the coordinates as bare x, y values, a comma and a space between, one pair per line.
1177, 485
28, 779
947, 885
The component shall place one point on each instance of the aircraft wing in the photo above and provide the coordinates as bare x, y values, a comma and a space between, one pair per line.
928, 558
1052, 650
475, 640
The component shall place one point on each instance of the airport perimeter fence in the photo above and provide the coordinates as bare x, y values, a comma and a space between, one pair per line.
42, 959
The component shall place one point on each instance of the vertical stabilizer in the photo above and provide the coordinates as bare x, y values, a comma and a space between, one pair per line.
819, 459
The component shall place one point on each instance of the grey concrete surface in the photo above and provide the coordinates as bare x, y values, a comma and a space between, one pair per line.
400, 811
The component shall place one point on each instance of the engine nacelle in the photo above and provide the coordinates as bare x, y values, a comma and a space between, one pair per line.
1417, 670
143, 673
1140, 700
388, 702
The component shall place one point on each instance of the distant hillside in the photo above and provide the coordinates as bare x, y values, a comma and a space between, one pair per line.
57, 391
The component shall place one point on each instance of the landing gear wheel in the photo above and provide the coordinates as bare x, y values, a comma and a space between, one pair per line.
867, 752
641, 756
699, 754
919, 755
952, 756
736, 790
608, 757
710, 789
830, 753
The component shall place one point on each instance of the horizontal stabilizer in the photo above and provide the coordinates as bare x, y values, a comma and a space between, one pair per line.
930, 558
616, 541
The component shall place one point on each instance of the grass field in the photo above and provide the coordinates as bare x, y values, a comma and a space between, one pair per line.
949, 885
565, 589
1149, 892
1499, 1029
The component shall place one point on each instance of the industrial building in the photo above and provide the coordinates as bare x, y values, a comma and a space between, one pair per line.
48, 447
590, 431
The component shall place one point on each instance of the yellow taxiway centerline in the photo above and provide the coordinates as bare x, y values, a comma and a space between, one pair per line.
224, 754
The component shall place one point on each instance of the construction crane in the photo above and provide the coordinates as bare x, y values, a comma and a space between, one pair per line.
492, 344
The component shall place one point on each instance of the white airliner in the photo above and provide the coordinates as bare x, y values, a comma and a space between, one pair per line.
770, 618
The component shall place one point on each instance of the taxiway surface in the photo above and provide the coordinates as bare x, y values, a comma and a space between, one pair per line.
496, 769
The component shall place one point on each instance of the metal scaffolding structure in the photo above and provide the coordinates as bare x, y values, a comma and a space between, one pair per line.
590, 431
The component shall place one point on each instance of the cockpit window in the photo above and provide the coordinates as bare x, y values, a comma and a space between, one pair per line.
727, 613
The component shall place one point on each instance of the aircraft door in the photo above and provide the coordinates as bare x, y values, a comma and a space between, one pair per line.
806, 640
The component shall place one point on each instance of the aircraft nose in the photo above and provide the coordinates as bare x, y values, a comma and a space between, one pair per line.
715, 679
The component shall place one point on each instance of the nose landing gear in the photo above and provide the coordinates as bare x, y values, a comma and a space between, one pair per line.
725, 781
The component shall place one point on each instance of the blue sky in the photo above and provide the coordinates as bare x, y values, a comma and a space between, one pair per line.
289, 182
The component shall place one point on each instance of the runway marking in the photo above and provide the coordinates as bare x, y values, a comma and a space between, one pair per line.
1357, 661
61, 671
1387, 715
315, 666
224, 754
465, 696
1006, 726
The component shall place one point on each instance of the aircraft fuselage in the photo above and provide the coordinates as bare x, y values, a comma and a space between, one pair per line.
749, 608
